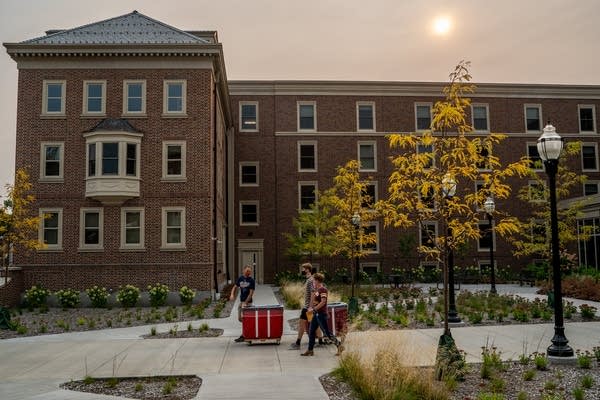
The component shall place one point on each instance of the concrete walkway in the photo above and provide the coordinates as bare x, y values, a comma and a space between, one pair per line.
33, 367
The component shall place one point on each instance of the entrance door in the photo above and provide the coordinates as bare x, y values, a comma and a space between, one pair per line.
250, 252
250, 258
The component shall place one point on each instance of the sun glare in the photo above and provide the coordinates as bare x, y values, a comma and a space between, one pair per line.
442, 25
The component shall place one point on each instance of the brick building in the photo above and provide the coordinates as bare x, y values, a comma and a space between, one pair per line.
152, 167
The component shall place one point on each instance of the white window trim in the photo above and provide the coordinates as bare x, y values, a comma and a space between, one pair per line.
533, 144
122, 141
366, 103
305, 143
245, 103
595, 146
51, 247
306, 103
432, 153
255, 202
529, 185
164, 244
62, 112
174, 178
125, 98
61, 155
131, 246
376, 197
487, 116
370, 264
367, 142
177, 114
306, 183
539, 107
377, 243
481, 263
428, 223
430, 105
256, 164
85, 112
593, 107
591, 182
487, 224
92, 247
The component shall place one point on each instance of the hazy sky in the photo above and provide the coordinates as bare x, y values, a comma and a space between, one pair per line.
521, 41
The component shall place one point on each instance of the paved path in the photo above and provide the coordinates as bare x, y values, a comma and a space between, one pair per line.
33, 367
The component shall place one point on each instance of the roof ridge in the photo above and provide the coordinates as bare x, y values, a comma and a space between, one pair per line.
169, 26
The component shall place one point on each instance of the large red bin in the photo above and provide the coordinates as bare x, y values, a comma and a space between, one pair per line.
337, 318
262, 323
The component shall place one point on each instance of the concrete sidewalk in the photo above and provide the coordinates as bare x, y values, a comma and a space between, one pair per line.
33, 367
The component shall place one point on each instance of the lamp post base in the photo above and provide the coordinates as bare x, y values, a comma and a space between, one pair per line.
563, 351
453, 317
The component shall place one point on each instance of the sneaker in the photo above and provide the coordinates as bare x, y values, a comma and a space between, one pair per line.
308, 353
294, 346
240, 339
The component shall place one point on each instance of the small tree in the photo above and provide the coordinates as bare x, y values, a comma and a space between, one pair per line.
18, 228
533, 239
431, 166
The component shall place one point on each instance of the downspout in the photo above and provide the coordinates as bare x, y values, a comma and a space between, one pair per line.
215, 236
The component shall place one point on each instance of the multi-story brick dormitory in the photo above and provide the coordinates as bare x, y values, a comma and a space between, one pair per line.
154, 168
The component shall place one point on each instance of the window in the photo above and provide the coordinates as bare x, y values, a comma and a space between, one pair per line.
50, 232
365, 115
479, 187
427, 198
94, 98
369, 195
307, 195
423, 116
538, 231
307, 156
533, 118
132, 228
428, 159
91, 229
483, 163
589, 157
480, 114
370, 268
117, 158
54, 98
367, 156
51, 163
173, 228
174, 100
587, 118
486, 236
534, 157
307, 116
537, 191
174, 160
428, 234
248, 116
249, 173
590, 188
249, 213
372, 229
134, 97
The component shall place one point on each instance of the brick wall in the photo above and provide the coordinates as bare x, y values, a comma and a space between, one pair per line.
10, 294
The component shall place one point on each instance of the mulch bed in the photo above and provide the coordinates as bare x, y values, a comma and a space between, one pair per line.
194, 333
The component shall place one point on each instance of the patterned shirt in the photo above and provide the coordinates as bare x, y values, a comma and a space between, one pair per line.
309, 289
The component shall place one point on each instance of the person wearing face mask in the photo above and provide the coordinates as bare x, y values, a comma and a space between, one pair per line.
309, 288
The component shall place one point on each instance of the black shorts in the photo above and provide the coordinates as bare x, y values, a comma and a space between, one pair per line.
303, 314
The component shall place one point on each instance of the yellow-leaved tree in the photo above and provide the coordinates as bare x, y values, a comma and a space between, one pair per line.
18, 228
434, 173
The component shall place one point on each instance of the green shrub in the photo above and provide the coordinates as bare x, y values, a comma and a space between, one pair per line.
490, 396
68, 298
98, 296
584, 359
578, 393
587, 311
158, 294
186, 295
128, 295
540, 361
587, 381
36, 296
529, 374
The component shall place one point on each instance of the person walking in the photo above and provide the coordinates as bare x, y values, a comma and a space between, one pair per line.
319, 310
247, 286
309, 288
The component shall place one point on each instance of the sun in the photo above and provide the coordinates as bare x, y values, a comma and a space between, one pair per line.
442, 25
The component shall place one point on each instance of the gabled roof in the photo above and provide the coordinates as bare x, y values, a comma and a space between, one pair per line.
113, 125
132, 28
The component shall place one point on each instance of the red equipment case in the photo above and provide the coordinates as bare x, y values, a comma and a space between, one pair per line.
337, 318
262, 323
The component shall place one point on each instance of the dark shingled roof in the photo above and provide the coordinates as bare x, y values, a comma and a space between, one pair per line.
114, 124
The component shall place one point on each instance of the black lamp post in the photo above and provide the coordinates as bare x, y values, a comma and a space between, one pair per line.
449, 190
353, 306
490, 207
549, 146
